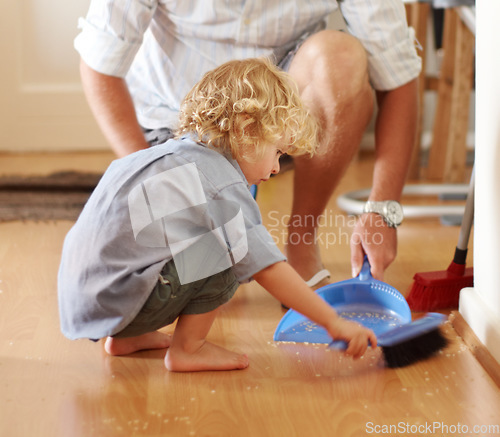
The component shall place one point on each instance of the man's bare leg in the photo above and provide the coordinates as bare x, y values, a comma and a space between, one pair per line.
191, 352
331, 71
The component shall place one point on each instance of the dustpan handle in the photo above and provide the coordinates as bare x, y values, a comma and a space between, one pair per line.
365, 274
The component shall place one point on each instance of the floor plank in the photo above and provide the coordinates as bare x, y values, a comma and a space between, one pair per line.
51, 386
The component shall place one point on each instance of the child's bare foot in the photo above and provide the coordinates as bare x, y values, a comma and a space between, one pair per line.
125, 346
207, 357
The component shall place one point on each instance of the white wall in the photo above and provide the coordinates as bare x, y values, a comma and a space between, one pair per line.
480, 306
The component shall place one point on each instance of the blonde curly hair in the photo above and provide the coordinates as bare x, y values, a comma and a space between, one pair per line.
243, 105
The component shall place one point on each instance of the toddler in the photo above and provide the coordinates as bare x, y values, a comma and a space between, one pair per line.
170, 232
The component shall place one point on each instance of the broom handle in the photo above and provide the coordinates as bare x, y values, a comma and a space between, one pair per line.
468, 218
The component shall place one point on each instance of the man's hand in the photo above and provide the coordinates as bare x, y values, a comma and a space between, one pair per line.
373, 237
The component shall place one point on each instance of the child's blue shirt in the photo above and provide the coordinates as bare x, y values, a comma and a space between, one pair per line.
179, 200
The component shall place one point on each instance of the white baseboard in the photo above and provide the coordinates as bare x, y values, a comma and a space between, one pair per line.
484, 322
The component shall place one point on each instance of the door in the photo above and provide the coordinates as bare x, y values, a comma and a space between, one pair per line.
42, 103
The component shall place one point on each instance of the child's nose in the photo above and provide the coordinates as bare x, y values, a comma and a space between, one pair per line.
276, 167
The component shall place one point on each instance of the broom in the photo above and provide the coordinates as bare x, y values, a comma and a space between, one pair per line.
413, 341
409, 343
441, 289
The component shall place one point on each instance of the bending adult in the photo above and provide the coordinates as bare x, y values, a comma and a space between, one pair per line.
140, 57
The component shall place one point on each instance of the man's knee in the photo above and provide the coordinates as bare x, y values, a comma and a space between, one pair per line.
334, 57
331, 70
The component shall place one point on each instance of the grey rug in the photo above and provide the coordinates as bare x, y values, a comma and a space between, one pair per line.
59, 196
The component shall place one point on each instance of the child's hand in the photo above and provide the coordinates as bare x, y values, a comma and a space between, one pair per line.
357, 336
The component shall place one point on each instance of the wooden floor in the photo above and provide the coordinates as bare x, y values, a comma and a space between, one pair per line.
51, 386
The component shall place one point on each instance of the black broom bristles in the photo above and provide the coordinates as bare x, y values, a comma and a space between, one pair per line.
414, 349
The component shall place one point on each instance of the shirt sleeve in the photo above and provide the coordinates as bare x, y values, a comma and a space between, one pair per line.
112, 33
382, 28
262, 253
262, 250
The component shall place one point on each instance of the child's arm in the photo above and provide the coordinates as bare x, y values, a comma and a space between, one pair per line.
286, 285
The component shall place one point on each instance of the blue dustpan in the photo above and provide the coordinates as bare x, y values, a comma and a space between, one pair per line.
363, 299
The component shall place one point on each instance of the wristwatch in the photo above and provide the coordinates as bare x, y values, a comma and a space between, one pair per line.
390, 210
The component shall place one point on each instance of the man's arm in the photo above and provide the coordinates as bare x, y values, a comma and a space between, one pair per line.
394, 138
395, 131
112, 106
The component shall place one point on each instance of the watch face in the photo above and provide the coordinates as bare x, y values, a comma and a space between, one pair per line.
394, 212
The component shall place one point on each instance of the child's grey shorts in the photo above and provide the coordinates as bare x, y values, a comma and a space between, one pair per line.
170, 299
